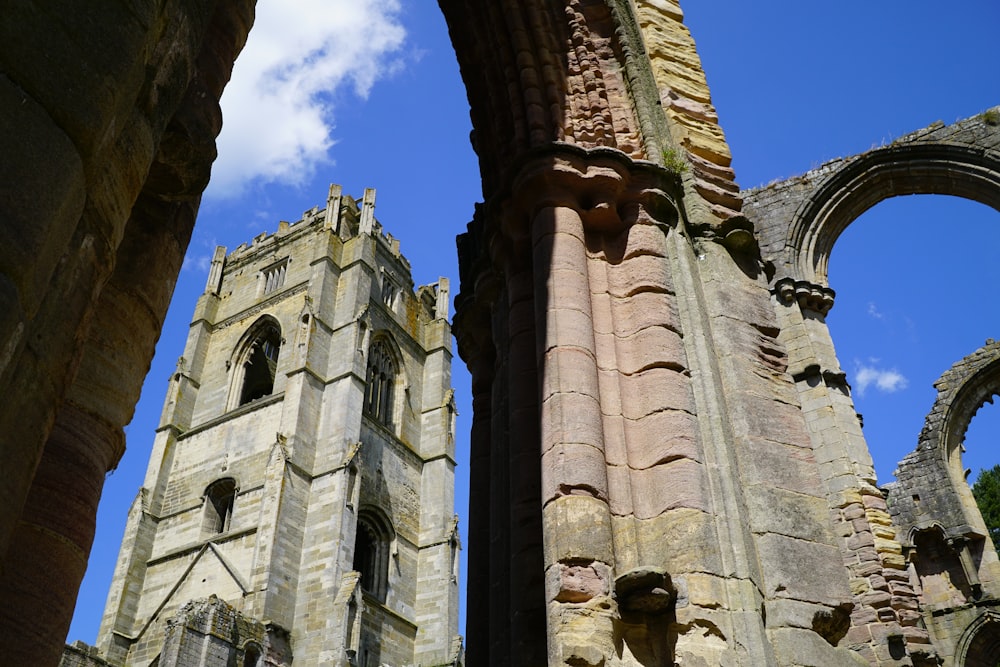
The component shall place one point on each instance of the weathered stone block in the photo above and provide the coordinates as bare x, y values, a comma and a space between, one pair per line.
803, 570
579, 528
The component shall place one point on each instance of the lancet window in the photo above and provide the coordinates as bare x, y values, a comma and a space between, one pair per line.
371, 554
380, 383
251, 655
220, 497
389, 291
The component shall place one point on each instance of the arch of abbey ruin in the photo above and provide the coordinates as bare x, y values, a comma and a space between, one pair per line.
616, 286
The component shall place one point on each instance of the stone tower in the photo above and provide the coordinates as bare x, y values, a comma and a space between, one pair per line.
299, 496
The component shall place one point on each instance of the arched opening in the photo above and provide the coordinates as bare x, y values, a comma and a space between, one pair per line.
257, 362
220, 497
982, 449
979, 459
371, 553
251, 655
382, 376
913, 277
980, 643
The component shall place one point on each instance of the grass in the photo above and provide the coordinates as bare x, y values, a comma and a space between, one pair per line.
673, 161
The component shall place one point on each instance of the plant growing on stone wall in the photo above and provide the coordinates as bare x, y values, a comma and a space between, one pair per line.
987, 493
990, 116
673, 161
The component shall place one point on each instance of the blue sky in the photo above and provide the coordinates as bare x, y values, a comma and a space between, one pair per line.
367, 94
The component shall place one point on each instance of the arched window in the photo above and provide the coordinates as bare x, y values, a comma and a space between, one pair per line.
371, 554
381, 383
251, 655
220, 496
258, 362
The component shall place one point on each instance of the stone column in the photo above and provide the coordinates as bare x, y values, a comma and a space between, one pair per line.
557, 399
473, 334
579, 554
885, 605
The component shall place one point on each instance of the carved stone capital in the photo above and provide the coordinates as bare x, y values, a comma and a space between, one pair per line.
809, 296
607, 188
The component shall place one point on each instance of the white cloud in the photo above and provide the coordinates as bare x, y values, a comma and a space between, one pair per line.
199, 254
278, 107
874, 311
197, 263
886, 380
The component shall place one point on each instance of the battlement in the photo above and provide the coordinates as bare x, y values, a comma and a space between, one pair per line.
346, 216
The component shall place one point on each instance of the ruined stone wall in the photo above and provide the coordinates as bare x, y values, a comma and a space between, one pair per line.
684, 96
107, 146
951, 556
211, 633
799, 219
590, 181
798, 222
627, 293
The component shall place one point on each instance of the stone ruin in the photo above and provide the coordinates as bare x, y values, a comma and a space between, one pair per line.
615, 286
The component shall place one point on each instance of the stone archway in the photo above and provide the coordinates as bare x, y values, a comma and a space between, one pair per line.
948, 542
611, 293
798, 223
113, 143
980, 643
799, 220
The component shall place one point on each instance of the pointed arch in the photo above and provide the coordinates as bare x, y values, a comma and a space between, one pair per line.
382, 380
252, 653
255, 362
372, 548
922, 167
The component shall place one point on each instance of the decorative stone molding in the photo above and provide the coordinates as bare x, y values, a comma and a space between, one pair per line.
809, 296
735, 233
605, 187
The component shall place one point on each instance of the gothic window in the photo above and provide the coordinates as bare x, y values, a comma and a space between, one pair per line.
371, 554
274, 276
259, 362
220, 496
380, 383
389, 291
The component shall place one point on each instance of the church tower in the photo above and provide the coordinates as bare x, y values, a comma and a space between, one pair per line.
299, 499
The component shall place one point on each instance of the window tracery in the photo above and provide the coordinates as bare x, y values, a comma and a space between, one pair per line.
380, 383
259, 363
